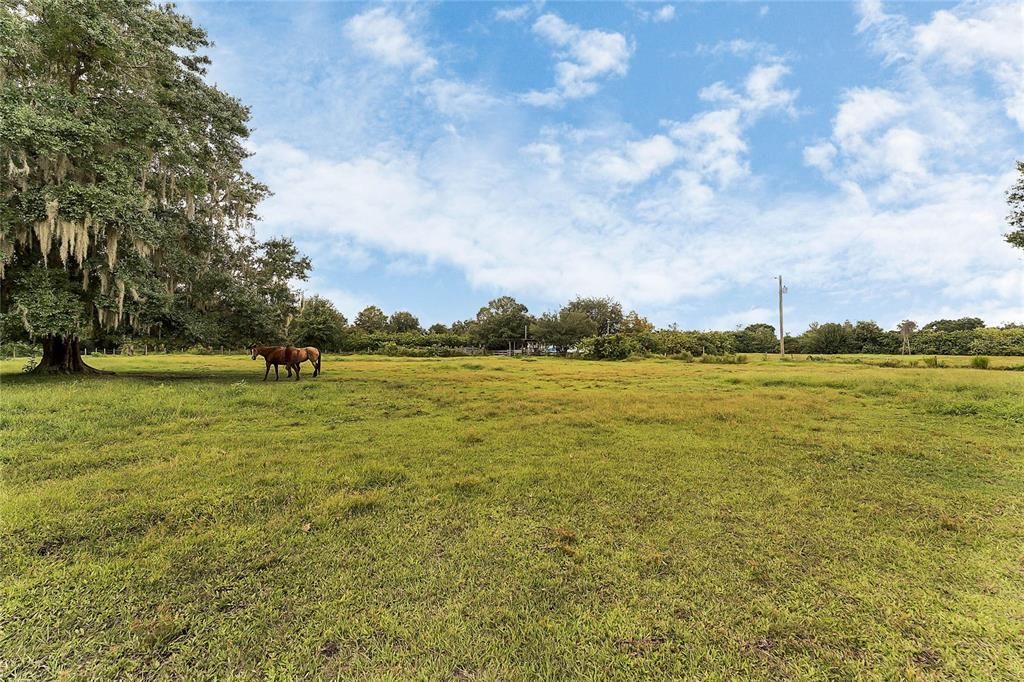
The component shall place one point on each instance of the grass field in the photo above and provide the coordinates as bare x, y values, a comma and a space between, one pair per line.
498, 518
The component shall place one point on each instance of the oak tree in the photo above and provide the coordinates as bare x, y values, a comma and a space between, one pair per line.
124, 204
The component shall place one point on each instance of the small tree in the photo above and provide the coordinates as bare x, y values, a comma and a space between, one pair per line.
403, 321
278, 265
757, 338
830, 337
606, 313
371, 319
633, 323
319, 324
564, 329
502, 319
867, 337
1015, 198
906, 329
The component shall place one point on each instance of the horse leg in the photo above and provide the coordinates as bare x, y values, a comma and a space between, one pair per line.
277, 374
267, 373
297, 365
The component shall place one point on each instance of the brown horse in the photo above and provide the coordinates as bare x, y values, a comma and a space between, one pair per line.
313, 355
289, 356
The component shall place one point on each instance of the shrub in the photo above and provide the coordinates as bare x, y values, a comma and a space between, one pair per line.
683, 355
979, 362
393, 349
730, 359
829, 338
18, 349
1003, 341
933, 361
611, 347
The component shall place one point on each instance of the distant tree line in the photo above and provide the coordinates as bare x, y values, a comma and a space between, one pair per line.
598, 327
503, 321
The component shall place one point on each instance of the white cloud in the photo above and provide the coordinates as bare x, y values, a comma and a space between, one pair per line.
457, 98
584, 57
706, 151
864, 110
996, 34
760, 91
987, 37
391, 39
664, 13
638, 160
889, 30
550, 154
713, 144
383, 35
903, 136
742, 47
992, 40
820, 156
513, 13
904, 149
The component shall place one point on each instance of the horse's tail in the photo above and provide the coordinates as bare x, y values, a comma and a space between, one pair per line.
319, 357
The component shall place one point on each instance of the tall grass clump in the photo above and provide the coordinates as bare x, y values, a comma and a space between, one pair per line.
727, 359
980, 362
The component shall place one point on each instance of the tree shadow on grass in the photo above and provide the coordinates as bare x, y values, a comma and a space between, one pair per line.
185, 375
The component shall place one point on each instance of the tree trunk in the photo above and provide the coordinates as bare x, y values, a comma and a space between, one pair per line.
62, 355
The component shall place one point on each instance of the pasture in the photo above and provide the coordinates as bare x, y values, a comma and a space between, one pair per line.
496, 518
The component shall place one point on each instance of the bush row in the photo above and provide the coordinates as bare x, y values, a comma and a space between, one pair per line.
672, 343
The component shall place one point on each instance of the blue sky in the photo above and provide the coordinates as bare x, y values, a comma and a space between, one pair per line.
677, 157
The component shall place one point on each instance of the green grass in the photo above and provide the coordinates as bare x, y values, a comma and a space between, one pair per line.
491, 518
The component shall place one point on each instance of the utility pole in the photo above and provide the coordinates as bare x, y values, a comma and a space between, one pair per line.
782, 332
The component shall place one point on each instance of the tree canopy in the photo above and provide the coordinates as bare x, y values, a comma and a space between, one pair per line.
318, 323
123, 200
606, 313
961, 324
563, 329
1015, 198
371, 319
403, 321
757, 338
502, 319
